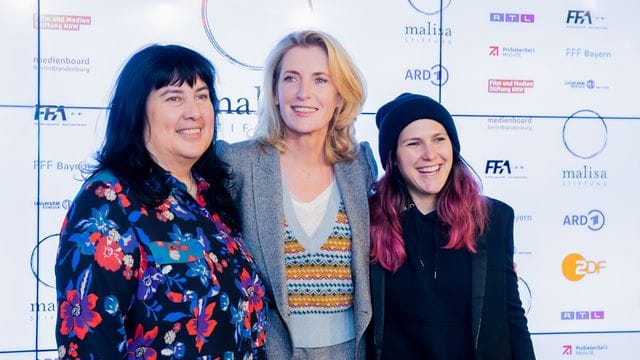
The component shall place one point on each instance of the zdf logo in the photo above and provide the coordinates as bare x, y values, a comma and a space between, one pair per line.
575, 267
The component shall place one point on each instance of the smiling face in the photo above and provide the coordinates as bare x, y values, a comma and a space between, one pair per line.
305, 93
179, 124
424, 156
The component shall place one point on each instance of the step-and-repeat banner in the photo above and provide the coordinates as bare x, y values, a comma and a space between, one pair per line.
544, 95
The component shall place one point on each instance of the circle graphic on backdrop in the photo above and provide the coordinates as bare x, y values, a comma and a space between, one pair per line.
596, 220
227, 23
525, 294
570, 267
585, 134
428, 7
48, 249
440, 75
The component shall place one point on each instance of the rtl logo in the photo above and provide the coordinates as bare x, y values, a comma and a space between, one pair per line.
578, 17
582, 315
575, 267
512, 17
497, 167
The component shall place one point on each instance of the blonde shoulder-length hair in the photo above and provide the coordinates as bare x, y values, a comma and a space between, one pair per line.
340, 144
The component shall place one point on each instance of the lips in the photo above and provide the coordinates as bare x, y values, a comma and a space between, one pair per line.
189, 131
429, 169
304, 109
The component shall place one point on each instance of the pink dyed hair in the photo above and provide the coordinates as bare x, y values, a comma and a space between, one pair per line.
460, 206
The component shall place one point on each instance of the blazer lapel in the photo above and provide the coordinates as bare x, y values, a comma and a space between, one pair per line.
351, 184
267, 198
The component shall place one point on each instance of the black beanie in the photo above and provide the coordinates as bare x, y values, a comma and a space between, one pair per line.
395, 115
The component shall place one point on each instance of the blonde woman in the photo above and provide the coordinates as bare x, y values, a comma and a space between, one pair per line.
301, 186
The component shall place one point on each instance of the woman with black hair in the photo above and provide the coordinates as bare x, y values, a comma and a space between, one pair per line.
150, 262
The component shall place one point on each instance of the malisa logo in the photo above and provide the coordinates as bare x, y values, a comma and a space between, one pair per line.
429, 31
575, 267
593, 220
42, 262
429, 7
61, 22
226, 22
585, 136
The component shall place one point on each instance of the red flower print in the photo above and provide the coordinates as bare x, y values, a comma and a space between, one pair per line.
73, 347
108, 254
201, 325
124, 201
252, 289
77, 314
139, 347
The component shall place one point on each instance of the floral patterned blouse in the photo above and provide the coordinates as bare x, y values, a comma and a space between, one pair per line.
171, 282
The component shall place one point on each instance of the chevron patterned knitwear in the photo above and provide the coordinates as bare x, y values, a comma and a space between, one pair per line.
319, 283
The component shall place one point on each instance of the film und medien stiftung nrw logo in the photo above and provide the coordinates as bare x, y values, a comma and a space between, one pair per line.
428, 7
585, 134
223, 22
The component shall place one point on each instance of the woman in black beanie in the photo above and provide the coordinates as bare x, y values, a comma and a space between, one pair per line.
442, 277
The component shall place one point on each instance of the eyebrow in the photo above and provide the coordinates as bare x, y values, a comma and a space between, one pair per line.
313, 74
177, 90
420, 138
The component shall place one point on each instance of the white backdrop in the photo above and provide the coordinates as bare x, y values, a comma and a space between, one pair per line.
542, 93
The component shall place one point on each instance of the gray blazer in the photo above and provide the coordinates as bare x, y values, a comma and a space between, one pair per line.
257, 191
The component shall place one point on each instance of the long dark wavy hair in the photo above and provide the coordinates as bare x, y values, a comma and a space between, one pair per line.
460, 206
124, 151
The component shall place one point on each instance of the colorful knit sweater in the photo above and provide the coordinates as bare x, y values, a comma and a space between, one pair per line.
319, 282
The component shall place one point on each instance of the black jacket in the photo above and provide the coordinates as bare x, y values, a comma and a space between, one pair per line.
498, 322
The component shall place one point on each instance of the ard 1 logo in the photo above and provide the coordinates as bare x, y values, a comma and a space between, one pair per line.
575, 267
594, 220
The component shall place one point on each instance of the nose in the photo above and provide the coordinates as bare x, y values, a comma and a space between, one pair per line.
192, 109
303, 90
428, 152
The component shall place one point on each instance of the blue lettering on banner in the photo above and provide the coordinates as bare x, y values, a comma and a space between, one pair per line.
594, 220
437, 75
